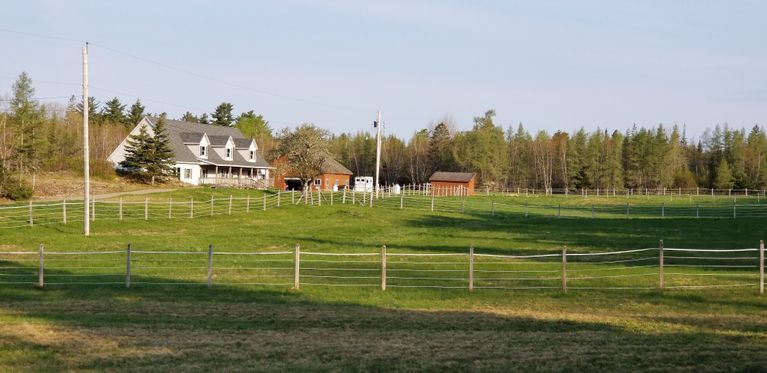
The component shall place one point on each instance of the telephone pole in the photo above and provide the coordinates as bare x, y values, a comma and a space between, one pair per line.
86, 155
378, 125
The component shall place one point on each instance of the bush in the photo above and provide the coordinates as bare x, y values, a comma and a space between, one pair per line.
15, 188
684, 179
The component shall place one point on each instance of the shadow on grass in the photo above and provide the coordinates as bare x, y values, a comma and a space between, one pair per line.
191, 327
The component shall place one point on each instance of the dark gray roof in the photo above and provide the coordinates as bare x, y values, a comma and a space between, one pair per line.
242, 143
332, 166
462, 177
191, 137
218, 140
182, 153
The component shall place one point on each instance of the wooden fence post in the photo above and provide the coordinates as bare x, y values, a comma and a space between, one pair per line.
170, 208
343, 198
279, 196
120, 209
564, 269
191, 207
292, 197
761, 267
93, 209
31, 218
525, 209
383, 268
371, 198
41, 266
264, 200
432, 200
146, 208
492, 208
471, 268
661, 277
64, 211
319, 197
331, 197
402, 200
697, 211
297, 267
211, 205
354, 193
230, 205
210, 265
734, 211
247, 203
627, 211
127, 266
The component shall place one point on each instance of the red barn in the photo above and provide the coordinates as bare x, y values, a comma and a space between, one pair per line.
452, 183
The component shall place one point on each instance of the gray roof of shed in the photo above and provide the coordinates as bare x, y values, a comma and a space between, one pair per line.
461, 177
177, 128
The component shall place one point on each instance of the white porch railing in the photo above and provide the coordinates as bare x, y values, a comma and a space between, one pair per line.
240, 182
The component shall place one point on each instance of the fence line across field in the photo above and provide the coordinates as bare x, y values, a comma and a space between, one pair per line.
62, 212
470, 270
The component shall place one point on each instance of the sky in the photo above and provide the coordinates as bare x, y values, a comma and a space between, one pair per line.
550, 65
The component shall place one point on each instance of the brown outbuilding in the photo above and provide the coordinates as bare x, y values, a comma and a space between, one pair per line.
452, 183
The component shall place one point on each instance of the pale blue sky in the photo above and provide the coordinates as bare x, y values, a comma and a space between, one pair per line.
548, 64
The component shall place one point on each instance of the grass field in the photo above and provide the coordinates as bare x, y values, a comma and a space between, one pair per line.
244, 327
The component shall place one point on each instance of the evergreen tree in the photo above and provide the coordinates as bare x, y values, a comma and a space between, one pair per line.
136, 113
137, 154
93, 109
724, 179
189, 117
204, 118
160, 152
440, 148
223, 115
114, 112
27, 121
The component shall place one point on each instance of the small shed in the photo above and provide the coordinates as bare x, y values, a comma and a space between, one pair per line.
452, 183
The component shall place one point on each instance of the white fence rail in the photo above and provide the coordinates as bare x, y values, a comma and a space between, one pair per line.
638, 269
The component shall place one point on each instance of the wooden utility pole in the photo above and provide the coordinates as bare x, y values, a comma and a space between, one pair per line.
377, 125
86, 157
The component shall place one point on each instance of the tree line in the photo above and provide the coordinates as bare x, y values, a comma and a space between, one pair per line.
657, 157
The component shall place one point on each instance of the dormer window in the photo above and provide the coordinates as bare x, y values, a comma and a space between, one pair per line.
228, 153
203, 151
252, 155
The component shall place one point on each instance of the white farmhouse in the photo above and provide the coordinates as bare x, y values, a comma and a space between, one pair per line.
208, 154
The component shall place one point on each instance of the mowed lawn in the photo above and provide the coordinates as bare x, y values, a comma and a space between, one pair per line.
190, 327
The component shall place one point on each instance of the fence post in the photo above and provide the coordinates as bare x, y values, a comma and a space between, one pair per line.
230, 205
525, 209
663, 210
279, 195
627, 211
210, 265
371, 198
41, 267
734, 212
297, 267
354, 194
247, 203
64, 211
343, 197
559, 211
471, 268
170, 208
492, 208
264, 200
191, 207
661, 277
383, 268
211, 205
120, 209
93, 209
432, 200
319, 197
402, 200
292, 197
331, 197
127, 266
761, 267
146, 208
697, 211
592, 212
564, 269
31, 218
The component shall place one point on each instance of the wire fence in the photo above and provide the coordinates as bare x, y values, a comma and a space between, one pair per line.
656, 268
64, 212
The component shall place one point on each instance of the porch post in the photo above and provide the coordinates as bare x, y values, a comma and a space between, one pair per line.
239, 179
215, 176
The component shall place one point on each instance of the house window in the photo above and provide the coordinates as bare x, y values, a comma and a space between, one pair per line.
188, 173
202, 151
252, 155
317, 182
228, 153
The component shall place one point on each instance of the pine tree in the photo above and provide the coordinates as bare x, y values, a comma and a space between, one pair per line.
114, 112
204, 118
189, 117
136, 113
160, 162
137, 154
223, 115
724, 179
